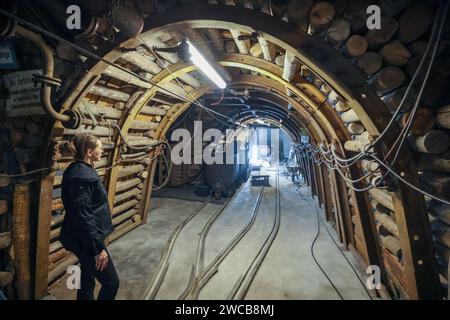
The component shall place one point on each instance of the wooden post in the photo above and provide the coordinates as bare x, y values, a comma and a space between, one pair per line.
416, 242
319, 185
313, 178
346, 213
327, 192
43, 235
338, 210
21, 228
148, 191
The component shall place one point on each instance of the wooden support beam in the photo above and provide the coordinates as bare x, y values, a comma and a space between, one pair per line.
124, 216
174, 90
387, 222
136, 192
124, 206
243, 45
148, 188
143, 125
382, 197
319, 186
268, 49
416, 243
337, 209
215, 36
368, 244
129, 170
97, 131
127, 184
313, 178
189, 80
349, 116
126, 77
327, 193
141, 141
111, 113
21, 230
346, 212
43, 235
110, 93
61, 266
142, 61
291, 66
153, 42
153, 111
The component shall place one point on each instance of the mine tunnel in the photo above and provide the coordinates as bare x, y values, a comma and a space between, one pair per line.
310, 161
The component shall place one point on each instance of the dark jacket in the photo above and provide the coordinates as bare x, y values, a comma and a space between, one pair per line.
87, 221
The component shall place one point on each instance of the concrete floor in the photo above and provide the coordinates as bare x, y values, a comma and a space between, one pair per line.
288, 272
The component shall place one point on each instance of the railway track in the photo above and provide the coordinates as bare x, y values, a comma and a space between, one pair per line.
241, 287
160, 274
200, 274
163, 265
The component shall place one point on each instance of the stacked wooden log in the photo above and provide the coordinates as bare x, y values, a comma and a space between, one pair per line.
440, 226
389, 57
6, 276
22, 138
389, 239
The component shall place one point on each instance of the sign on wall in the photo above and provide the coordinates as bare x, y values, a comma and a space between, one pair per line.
24, 96
7, 56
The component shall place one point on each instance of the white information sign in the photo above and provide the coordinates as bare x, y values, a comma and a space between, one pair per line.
24, 97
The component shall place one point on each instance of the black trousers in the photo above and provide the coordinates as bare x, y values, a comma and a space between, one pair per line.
108, 278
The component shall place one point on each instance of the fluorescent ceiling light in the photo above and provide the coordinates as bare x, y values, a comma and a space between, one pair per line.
204, 66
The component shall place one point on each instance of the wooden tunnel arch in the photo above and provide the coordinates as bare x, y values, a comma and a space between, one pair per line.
323, 63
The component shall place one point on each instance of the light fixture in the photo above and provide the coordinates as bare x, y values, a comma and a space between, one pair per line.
199, 61
260, 121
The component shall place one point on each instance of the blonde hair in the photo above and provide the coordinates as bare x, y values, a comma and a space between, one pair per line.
80, 144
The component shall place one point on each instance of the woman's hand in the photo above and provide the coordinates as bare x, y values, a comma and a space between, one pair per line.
101, 260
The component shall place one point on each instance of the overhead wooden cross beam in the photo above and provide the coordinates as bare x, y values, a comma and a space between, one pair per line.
243, 45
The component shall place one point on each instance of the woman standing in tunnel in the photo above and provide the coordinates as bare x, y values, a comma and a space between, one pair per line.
87, 221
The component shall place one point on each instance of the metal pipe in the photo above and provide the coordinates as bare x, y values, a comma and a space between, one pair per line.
46, 90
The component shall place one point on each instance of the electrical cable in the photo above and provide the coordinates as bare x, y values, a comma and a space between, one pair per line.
3, 175
97, 57
317, 262
169, 169
390, 170
336, 244
408, 89
427, 74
